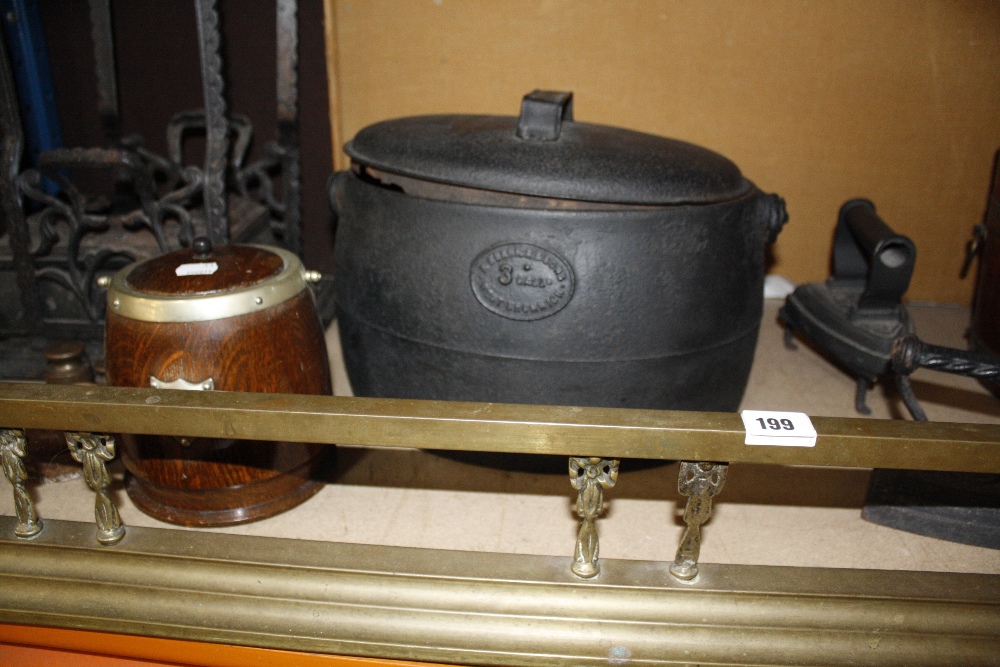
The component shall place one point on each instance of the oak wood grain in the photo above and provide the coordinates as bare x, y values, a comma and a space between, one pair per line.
212, 482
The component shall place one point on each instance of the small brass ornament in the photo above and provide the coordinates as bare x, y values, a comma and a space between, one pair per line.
93, 451
590, 476
12, 451
700, 482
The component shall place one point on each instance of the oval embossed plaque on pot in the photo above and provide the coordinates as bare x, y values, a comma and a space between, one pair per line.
521, 281
537, 259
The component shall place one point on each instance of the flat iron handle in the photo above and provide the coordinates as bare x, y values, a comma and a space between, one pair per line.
869, 230
865, 248
910, 353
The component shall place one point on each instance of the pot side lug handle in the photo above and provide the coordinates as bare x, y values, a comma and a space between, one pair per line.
543, 113
334, 186
773, 215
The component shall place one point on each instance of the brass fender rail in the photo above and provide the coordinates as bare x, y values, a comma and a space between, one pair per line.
495, 609
608, 433
487, 609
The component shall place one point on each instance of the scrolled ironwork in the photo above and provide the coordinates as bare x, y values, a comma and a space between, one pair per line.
73, 239
255, 180
67, 220
258, 177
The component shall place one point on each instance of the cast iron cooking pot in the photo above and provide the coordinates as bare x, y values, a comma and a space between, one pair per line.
541, 260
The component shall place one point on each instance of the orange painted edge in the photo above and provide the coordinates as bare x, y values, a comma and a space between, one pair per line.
16, 655
202, 654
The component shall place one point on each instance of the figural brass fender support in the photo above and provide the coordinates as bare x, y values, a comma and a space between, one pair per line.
590, 476
94, 451
700, 482
12, 451
695, 438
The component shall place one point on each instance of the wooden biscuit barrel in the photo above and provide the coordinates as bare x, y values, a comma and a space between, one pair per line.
234, 318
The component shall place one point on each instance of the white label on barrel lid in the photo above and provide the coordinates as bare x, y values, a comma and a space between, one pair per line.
197, 269
784, 429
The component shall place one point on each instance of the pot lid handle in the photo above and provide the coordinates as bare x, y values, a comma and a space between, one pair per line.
543, 113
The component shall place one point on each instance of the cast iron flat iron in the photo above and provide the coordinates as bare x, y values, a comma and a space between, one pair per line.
856, 316
858, 320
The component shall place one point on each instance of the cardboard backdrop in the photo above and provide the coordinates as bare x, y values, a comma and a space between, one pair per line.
818, 101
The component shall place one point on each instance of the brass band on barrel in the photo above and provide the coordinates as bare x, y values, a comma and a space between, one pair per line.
127, 302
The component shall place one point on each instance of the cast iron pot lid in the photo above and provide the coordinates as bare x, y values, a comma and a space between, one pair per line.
544, 153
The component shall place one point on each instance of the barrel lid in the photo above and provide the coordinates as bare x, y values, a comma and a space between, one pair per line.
545, 153
188, 272
204, 283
